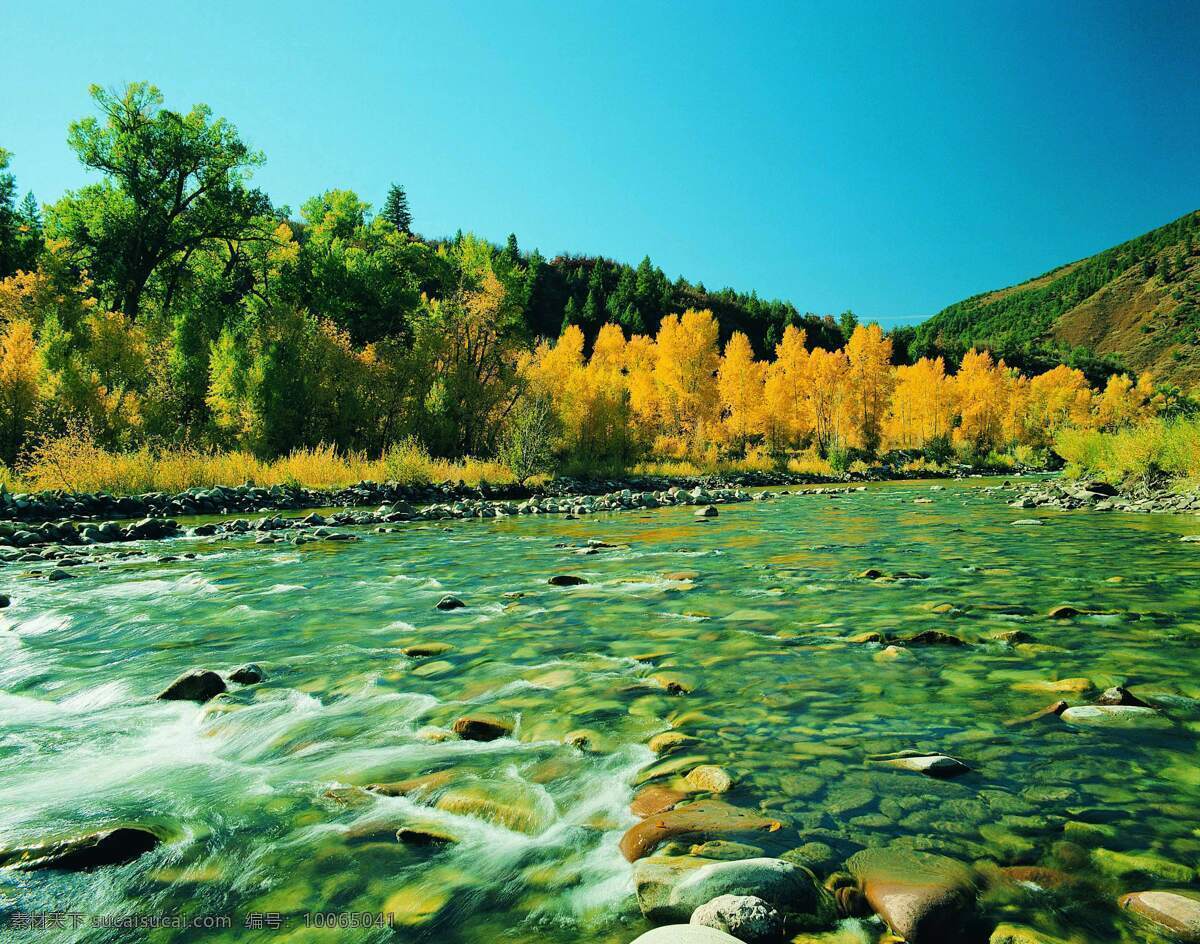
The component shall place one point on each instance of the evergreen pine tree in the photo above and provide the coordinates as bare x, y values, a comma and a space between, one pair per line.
395, 209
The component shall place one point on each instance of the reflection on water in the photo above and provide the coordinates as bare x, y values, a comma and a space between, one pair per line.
751, 613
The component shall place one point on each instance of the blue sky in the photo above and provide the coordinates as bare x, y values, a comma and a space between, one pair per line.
886, 157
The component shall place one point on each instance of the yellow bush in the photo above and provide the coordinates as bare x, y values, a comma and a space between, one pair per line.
1153, 450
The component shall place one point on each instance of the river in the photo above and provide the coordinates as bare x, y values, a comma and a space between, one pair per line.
737, 630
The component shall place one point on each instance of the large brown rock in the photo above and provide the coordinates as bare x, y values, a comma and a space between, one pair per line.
481, 728
924, 898
1176, 912
81, 853
199, 685
705, 819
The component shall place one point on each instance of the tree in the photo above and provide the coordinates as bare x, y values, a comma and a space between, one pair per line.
19, 368
526, 443
824, 382
174, 185
788, 417
740, 384
871, 383
686, 364
395, 209
922, 406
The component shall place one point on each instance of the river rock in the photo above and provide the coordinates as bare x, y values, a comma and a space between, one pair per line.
481, 728
80, 853
1117, 695
670, 888
566, 580
704, 819
1114, 716
426, 649
449, 602
1175, 912
4, 600
709, 778
250, 674
655, 799
1020, 934
934, 637
199, 685
932, 765
708, 511
684, 934
1064, 611
746, 917
666, 742
922, 897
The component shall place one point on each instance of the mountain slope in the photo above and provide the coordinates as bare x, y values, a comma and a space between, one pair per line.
1137, 304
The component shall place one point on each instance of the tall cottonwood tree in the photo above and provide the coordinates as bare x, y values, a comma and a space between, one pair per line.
173, 185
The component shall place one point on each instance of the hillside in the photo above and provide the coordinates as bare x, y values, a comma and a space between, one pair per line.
1136, 305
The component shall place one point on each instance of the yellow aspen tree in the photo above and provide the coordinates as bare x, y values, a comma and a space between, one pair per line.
980, 391
825, 387
19, 369
740, 387
684, 371
1124, 402
641, 356
1057, 398
608, 432
787, 419
922, 406
871, 383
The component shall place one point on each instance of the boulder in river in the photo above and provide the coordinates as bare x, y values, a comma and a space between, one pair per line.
199, 685
708, 511
670, 888
4, 600
449, 602
746, 917
709, 778
684, 934
80, 853
1118, 695
934, 637
939, 766
249, 674
481, 728
1115, 716
566, 580
922, 897
1175, 912
704, 819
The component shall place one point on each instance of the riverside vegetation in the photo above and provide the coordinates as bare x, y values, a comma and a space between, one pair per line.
255, 660
168, 327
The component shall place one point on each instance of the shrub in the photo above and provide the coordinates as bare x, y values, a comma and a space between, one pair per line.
527, 440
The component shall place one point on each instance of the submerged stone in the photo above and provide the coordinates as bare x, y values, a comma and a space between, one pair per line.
922, 897
1175, 912
684, 934
704, 819
939, 766
1115, 716
82, 853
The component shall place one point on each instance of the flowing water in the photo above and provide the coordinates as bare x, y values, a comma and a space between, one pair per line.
752, 611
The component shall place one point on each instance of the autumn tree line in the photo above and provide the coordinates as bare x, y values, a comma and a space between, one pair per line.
171, 303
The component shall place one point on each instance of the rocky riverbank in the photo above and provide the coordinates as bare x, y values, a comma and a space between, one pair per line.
1101, 496
54, 543
251, 499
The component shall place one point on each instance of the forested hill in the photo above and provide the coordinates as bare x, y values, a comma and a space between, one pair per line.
1137, 305
590, 291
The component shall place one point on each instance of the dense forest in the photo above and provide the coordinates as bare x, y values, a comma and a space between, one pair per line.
170, 304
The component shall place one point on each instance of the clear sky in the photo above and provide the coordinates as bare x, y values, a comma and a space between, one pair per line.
891, 158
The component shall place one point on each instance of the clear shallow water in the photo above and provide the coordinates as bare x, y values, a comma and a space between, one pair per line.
256, 789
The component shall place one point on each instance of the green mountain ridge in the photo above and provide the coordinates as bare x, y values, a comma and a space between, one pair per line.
1135, 306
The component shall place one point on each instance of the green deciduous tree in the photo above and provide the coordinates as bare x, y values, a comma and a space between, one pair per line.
174, 184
